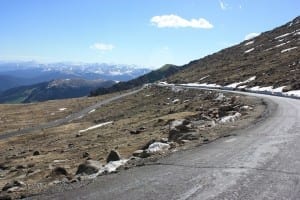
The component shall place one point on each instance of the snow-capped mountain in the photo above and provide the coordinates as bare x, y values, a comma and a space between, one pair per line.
27, 73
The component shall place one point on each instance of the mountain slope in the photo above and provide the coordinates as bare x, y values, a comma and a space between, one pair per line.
57, 89
272, 57
163, 72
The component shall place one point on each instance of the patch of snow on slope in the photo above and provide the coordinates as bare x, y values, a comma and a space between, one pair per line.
203, 78
92, 111
293, 93
108, 168
230, 118
282, 36
157, 147
202, 85
248, 43
266, 89
249, 50
279, 45
234, 85
289, 49
96, 126
62, 109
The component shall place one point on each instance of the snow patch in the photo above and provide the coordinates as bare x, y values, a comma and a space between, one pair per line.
158, 147
234, 85
249, 50
248, 43
62, 109
230, 118
293, 93
92, 111
282, 36
289, 49
96, 126
202, 85
203, 78
175, 101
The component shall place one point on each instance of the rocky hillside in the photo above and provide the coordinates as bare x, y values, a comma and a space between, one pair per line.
272, 57
56, 89
162, 73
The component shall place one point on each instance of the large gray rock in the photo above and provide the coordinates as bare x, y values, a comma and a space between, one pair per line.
13, 185
88, 167
113, 156
179, 128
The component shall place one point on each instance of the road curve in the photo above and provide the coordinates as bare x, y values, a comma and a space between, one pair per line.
68, 118
260, 162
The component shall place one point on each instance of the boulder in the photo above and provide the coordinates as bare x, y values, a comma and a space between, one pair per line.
36, 153
113, 156
141, 154
59, 171
14, 185
88, 167
179, 128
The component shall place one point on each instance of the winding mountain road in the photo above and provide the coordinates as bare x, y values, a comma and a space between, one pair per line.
260, 162
67, 119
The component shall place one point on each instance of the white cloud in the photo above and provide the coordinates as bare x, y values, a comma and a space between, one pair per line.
102, 47
251, 35
174, 21
223, 5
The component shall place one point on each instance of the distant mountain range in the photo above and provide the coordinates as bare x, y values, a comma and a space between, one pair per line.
162, 73
13, 74
57, 89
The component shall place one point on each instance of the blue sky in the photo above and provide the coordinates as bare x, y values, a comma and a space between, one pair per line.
142, 32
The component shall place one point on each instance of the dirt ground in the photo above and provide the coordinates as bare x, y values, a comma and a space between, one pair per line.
31, 158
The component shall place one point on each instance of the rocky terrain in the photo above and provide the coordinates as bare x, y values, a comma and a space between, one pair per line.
272, 57
141, 128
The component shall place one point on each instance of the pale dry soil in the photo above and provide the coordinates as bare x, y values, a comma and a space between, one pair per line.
151, 109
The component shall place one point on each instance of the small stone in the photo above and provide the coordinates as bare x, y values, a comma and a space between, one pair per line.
58, 171
36, 153
85, 155
113, 156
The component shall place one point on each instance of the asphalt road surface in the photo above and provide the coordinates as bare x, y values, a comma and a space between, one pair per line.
260, 162
67, 119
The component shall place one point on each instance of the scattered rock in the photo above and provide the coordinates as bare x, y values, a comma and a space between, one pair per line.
88, 167
113, 156
36, 153
141, 154
164, 140
59, 171
85, 155
179, 128
3, 166
146, 146
78, 135
14, 184
137, 131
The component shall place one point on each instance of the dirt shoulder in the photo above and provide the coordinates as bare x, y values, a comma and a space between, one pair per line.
178, 118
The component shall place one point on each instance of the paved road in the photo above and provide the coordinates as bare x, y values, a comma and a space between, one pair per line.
261, 162
67, 119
